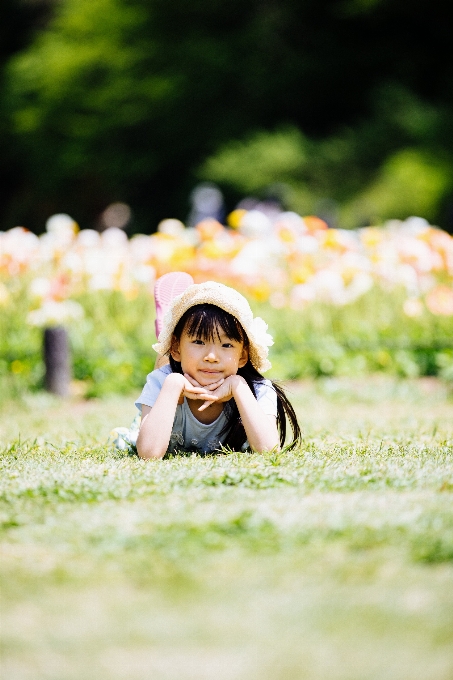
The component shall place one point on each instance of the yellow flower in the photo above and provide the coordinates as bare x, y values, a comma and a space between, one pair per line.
234, 219
4, 295
17, 366
371, 236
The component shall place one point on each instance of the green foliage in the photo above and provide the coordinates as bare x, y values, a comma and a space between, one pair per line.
261, 160
409, 183
305, 174
20, 347
281, 163
367, 336
112, 345
113, 97
77, 84
112, 353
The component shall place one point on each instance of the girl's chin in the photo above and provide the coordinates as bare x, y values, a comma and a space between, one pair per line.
210, 379
206, 379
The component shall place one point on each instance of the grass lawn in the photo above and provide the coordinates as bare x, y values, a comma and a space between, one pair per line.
335, 561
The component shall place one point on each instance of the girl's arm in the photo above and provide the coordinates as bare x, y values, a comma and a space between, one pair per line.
157, 422
260, 428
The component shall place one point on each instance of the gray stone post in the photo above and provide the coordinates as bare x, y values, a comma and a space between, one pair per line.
56, 359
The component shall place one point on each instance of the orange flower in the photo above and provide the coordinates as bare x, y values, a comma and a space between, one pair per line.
440, 300
209, 228
314, 223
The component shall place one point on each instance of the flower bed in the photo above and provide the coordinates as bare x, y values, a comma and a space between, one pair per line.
379, 298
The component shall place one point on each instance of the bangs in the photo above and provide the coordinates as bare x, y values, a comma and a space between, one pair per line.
206, 321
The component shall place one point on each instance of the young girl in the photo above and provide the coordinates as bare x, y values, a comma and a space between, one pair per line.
211, 395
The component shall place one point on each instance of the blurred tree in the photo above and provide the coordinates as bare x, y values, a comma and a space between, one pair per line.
19, 22
359, 169
124, 99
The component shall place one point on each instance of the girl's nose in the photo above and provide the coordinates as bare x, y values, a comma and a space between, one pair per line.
211, 355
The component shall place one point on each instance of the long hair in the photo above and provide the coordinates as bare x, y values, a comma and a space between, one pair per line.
203, 322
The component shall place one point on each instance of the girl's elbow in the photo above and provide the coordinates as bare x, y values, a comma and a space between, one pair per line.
272, 443
267, 446
147, 452
272, 449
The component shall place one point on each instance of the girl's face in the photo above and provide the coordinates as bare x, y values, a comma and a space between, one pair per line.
209, 360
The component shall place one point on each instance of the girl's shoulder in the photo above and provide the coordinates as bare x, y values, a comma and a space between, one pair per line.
158, 376
162, 372
263, 386
266, 396
153, 385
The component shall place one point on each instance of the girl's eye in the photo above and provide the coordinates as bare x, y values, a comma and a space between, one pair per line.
227, 344
197, 341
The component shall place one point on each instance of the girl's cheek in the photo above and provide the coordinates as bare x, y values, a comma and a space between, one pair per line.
234, 366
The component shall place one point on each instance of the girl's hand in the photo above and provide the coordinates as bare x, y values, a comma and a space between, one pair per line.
222, 390
191, 389
205, 392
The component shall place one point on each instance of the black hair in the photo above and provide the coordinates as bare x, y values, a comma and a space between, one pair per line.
203, 322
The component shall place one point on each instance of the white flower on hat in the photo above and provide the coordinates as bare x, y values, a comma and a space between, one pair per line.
258, 329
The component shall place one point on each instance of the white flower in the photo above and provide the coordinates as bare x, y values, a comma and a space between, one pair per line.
258, 329
54, 313
413, 307
61, 230
61, 224
171, 227
40, 287
255, 224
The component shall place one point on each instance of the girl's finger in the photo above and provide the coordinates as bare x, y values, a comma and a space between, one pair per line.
196, 390
210, 387
191, 380
201, 394
205, 405
214, 386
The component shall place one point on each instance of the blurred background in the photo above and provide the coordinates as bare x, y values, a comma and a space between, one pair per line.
299, 151
338, 108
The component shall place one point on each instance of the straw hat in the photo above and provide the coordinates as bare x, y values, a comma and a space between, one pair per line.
231, 301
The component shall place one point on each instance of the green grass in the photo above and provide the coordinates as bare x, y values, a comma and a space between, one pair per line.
335, 561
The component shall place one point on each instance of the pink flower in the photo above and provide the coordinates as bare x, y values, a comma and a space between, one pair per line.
440, 300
